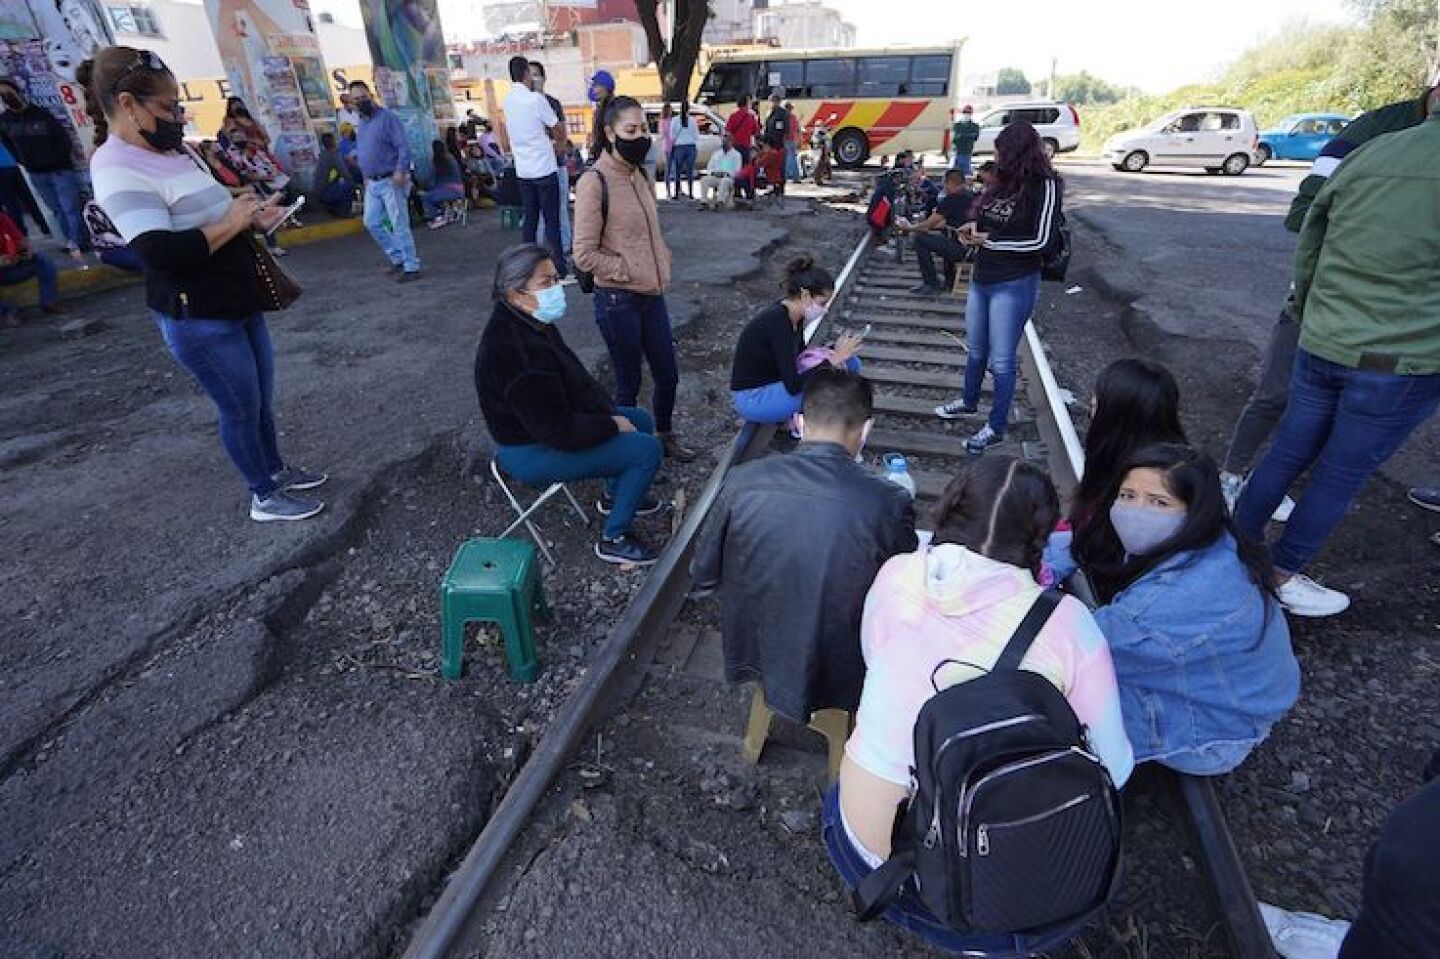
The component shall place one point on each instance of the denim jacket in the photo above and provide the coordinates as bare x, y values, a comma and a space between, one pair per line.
1203, 660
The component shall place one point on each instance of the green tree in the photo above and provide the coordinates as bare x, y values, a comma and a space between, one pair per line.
1010, 81
1084, 88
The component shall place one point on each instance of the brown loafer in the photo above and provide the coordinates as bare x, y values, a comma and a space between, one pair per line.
674, 450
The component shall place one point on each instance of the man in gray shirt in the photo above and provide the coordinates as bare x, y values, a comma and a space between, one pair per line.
384, 156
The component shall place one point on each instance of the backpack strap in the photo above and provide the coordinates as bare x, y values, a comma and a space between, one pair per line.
880, 888
604, 199
1028, 629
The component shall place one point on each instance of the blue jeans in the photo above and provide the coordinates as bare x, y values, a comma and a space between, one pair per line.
122, 258
541, 196
431, 199
773, 403
337, 197
995, 316
41, 270
564, 214
636, 325
234, 364
683, 163
1346, 422
908, 912
961, 161
792, 162
383, 201
626, 461
61, 192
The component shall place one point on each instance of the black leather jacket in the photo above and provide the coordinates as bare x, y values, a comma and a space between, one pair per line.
793, 545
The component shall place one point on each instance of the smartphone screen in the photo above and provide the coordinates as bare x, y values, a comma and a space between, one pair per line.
289, 212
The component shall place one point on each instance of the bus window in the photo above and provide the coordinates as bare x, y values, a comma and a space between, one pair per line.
884, 76
789, 74
930, 75
830, 78
727, 82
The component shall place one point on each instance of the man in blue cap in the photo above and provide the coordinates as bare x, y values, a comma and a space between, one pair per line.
602, 91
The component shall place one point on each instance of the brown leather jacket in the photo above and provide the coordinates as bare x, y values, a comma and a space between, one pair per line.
626, 251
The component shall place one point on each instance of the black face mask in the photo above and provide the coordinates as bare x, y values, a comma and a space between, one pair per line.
633, 151
366, 108
167, 137
13, 102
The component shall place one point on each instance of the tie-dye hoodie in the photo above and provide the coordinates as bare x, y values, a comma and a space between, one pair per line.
948, 603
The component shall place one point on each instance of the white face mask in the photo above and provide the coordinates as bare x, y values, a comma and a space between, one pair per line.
1144, 529
814, 311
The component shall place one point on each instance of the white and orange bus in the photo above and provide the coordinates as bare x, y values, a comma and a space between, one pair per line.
874, 101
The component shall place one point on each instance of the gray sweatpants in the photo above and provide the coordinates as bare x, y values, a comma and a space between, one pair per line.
1267, 402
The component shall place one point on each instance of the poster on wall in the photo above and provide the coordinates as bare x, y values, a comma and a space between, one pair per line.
41, 45
407, 47
260, 42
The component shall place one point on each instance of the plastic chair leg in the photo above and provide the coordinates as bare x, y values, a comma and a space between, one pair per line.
452, 651
519, 632
834, 725
757, 730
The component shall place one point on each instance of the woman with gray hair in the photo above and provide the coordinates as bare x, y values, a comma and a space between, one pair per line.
551, 421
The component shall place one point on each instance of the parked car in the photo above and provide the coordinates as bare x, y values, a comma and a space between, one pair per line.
709, 127
1057, 123
1300, 137
1218, 139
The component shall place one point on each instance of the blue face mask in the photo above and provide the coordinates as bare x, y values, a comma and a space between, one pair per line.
550, 304
1144, 529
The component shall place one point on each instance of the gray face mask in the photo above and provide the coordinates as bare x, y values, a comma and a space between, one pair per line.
1144, 529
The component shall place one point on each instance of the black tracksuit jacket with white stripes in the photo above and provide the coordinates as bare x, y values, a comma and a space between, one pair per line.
1020, 227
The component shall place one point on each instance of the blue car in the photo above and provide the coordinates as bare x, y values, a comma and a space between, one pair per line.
1300, 137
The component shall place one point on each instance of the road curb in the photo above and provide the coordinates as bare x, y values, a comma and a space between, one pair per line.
89, 279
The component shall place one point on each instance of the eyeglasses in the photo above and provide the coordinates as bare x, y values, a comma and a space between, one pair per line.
145, 59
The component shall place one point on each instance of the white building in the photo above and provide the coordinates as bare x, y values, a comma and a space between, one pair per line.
804, 25
731, 21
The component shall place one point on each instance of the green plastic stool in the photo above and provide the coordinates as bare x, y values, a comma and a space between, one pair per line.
510, 218
496, 581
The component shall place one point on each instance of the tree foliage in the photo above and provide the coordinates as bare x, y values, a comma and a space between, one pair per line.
1011, 81
1083, 88
676, 56
1389, 56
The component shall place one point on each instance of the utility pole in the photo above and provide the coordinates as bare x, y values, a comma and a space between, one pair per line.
1050, 88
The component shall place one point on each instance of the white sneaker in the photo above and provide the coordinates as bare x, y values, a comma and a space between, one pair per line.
1303, 596
1303, 935
1230, 486
1283, 511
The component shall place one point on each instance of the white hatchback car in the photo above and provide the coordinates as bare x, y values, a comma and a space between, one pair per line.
1057, 123
1217, 139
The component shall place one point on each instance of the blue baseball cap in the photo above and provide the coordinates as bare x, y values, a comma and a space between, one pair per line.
602, 78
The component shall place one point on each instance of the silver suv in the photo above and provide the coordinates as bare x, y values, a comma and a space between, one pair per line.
1057, 123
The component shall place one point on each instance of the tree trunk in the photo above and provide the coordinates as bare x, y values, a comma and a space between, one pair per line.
675, 61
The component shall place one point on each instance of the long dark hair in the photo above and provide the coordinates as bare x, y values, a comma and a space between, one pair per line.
803, 274
1000, 507
1020, 159
613, 108
684, 113
1137, 403
1191, 477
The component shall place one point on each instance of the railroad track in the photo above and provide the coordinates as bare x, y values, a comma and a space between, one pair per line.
915, 356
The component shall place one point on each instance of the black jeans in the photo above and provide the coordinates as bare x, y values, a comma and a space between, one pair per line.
951, 251
636, 326
1267, 401
1400, 897
542, 196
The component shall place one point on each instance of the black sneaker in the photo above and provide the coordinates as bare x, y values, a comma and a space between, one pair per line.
409, 276
395, 269
295, 478
649, 506
626, 549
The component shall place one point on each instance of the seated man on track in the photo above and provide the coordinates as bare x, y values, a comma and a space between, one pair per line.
935, 234
550, 420
792, 545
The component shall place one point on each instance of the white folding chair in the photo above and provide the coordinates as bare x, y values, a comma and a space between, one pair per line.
523, 513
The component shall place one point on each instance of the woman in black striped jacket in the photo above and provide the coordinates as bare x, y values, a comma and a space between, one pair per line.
1016, 222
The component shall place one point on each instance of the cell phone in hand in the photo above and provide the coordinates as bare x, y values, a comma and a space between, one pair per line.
866, 332
289, 212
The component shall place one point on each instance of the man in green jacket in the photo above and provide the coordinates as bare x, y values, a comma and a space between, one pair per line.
1272, 389
963, 134
1367, 372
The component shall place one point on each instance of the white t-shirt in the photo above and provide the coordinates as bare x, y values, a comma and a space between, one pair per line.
529, 119
686, 135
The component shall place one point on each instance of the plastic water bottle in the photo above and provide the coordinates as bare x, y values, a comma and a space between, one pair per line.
897, 471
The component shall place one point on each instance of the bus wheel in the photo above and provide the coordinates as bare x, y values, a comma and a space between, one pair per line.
851, 148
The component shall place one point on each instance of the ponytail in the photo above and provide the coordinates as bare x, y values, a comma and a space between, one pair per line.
802, 274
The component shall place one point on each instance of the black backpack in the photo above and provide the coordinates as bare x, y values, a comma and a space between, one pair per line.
1013, 824
1056, 259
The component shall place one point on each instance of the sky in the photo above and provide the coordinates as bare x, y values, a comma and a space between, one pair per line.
1156, 45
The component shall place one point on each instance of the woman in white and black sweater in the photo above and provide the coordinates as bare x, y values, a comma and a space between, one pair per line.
201, 280
1016, 222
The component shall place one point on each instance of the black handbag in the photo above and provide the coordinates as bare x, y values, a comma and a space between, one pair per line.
1057, 253
278, 289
